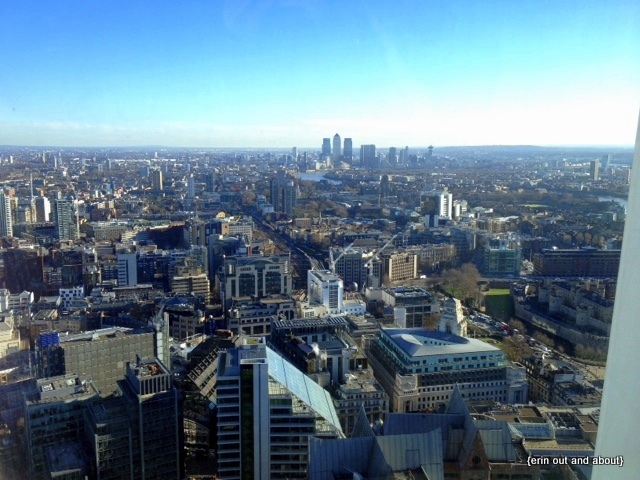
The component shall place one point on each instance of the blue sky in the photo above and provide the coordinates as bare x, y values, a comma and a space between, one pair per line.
289, 72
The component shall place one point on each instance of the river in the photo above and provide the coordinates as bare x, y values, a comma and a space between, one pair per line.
621, 201
316, 177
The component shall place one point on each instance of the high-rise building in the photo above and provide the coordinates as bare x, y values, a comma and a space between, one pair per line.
153, 403
283, 194
594, 170
337, 148
127, 270
618, 418
347, 152
326, 147
53, 418
157, 180
43, 209
368, 157
267, 412
191, 187
6, 224
63, 219
99, 354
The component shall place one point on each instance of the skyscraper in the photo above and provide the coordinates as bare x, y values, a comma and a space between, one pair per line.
326, 147
63, 219
368, 156
619, 421
337, 148
267, 412
156, 180
283, 194
594, 170
6, 225
348, 150
191, 187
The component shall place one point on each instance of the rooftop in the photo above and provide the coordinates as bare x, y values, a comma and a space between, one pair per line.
420, 342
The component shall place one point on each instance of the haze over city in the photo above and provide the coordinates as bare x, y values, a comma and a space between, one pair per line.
283, 73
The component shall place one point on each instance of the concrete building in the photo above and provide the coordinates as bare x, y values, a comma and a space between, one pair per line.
267, 412
583, 262
127, 270
63, 218
255, 275
6, 221
326, 289
323, 349
357, 267
502, 256
98, 355
255, 318
54, 416
368, 157
157, 182
419, 369
399, 266
410, 304
347, 152
283, 194
337, 148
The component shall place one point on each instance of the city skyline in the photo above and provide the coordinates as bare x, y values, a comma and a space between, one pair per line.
288, 73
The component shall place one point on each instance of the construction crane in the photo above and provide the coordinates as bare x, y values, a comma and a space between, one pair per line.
332, 261
367, 265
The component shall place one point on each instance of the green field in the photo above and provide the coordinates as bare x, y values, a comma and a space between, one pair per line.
499, 304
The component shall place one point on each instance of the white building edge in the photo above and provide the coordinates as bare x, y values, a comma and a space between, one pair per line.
619, 420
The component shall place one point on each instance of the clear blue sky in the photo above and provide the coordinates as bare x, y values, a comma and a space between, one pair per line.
289, 72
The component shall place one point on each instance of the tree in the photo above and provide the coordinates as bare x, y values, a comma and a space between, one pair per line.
430, 320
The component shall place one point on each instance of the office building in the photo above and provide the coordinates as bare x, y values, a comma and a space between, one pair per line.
191, 187
368, 157
157, 183
594, 170
326, 147
337, 148
439, 203
283, 194
256, 276
255, 318
42, 208
326, 289
347, 151
54, 418
127, 270
419, 368
98, 355
267, 412
6, 223
399, 266
502, 256
410, 304
582, 262
356, 267
323, 349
